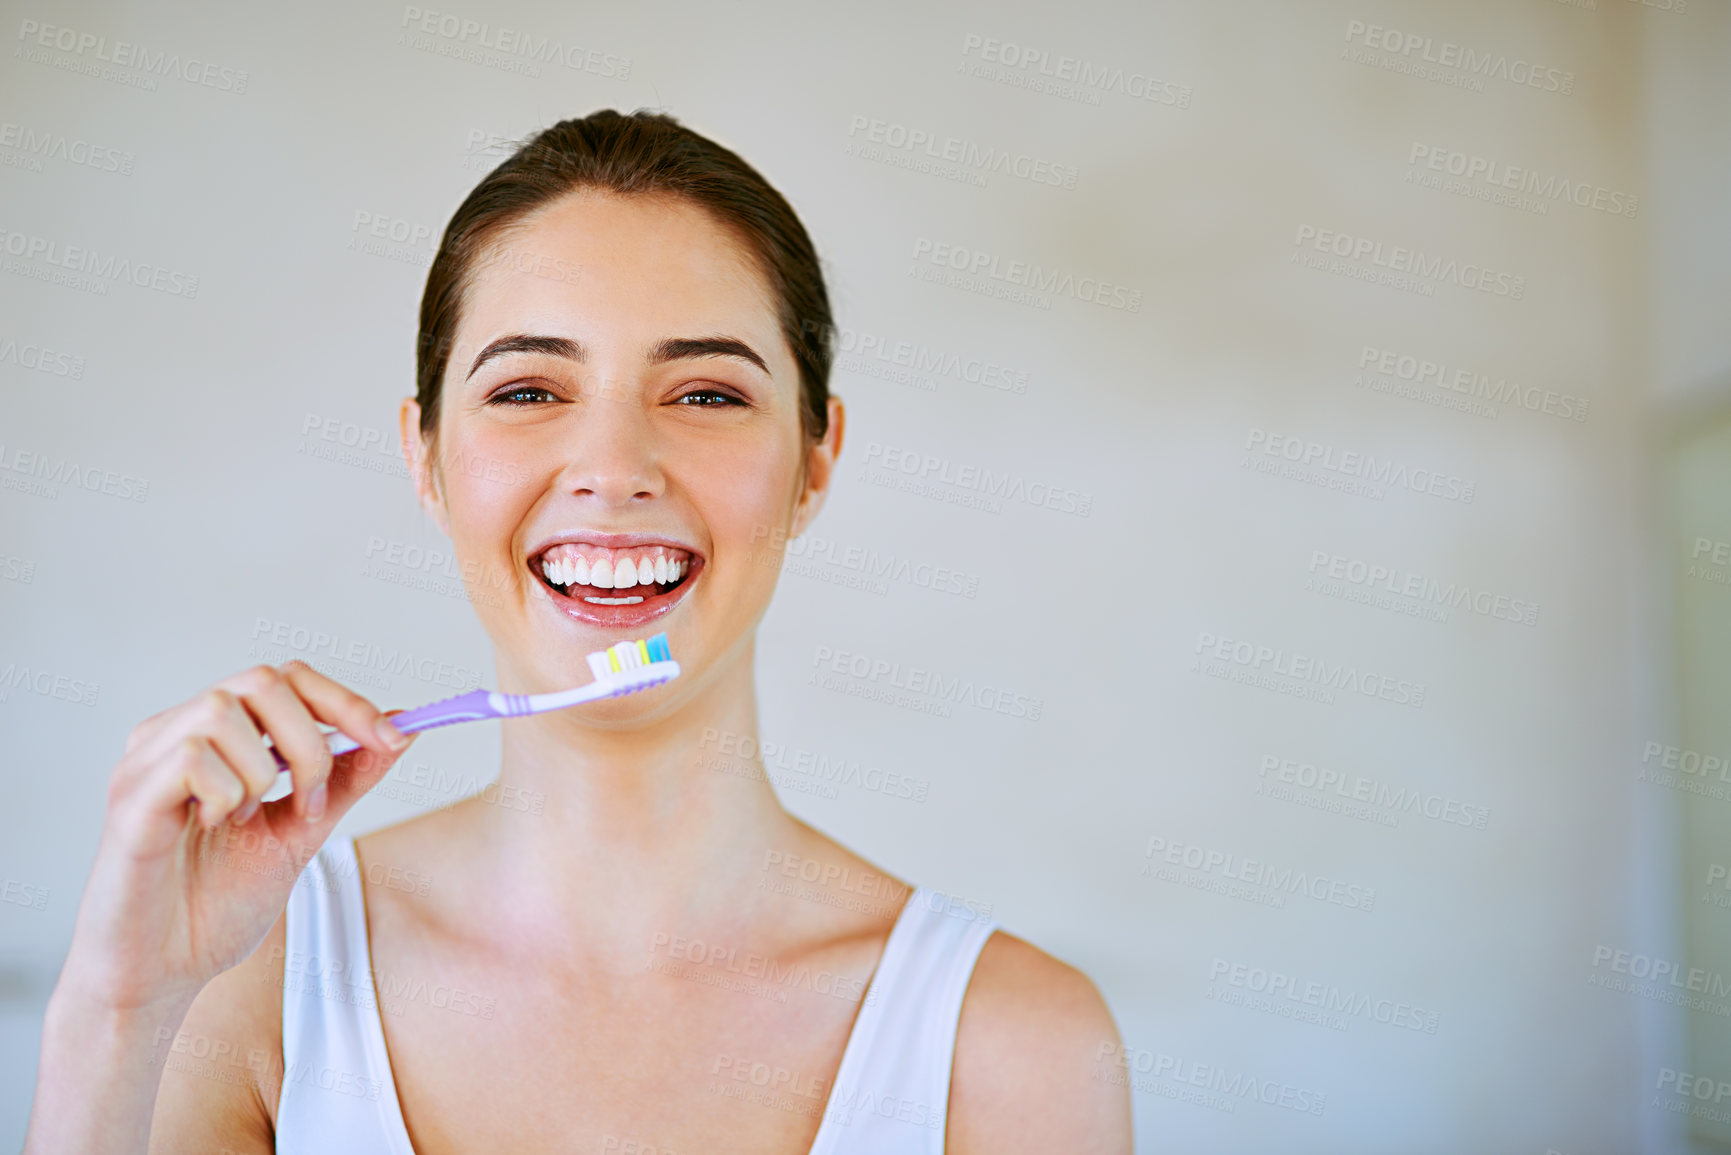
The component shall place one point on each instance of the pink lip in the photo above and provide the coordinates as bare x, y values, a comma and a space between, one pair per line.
611, 541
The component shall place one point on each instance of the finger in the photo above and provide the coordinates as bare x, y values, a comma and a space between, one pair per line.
332, 702
207, 780
357, 773
158, 738
236, 738
351, 777
274, 706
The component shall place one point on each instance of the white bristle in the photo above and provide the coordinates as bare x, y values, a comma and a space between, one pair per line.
629, 658
599, 663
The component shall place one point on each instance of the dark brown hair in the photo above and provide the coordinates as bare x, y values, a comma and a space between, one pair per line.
645, 153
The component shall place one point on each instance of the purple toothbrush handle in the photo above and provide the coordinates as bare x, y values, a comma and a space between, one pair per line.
470, 707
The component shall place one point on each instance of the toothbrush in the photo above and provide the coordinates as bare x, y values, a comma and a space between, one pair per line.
619, 670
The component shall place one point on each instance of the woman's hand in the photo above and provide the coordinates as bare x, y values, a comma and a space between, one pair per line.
191, 873
192, 870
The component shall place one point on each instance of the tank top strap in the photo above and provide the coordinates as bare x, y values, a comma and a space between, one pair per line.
338, 1097
891, 1093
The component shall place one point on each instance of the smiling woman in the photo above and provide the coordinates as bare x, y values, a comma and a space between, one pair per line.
659, 958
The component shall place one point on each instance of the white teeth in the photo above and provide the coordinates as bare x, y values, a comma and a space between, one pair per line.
631, 601
614, 569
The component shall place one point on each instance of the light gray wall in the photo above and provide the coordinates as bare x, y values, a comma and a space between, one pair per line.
1271, 127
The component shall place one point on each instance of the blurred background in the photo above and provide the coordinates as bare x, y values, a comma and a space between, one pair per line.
1371, 357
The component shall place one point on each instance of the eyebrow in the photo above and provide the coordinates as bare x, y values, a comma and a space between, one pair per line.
670, 349
678, 348
526, 343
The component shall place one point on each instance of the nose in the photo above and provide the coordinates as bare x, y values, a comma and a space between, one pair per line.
611, 455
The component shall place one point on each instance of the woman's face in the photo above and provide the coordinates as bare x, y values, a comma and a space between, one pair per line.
619, 449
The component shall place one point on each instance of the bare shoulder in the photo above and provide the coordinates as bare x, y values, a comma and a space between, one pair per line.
222, 1071
1027, 1074
843, 888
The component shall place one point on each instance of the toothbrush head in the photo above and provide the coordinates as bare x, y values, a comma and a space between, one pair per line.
633, 665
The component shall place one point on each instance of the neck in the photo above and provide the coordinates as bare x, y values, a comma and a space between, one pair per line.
637, 827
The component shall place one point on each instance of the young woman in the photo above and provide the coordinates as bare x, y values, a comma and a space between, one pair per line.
624, 351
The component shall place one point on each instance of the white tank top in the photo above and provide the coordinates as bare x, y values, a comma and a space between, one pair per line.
890, 1096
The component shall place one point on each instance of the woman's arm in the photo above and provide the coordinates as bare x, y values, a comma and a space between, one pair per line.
1028, 1074
222, 1072
180, 1079
192, 872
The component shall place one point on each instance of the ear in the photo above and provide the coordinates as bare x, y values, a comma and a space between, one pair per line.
419, 458
820, 461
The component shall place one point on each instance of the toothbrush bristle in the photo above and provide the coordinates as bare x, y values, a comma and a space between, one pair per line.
627, 656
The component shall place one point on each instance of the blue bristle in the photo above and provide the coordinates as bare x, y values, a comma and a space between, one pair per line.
658, 651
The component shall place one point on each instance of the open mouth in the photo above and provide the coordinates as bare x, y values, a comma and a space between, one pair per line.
597, 576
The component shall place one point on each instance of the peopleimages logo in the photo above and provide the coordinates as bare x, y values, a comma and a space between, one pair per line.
1398, 260
41, 359
976, 264
1446, 54
14, 676
1219, 656
876, 355
1659, 973
33, 34
967, 154
1479, 386
1395, 800
1328, 997
879, 673
309, 643
930, 469
462, 33
1366, 469
1374, 577
1282, 880
1234, 1086
38, 144
57, 471
1516, 178
1070, 77
103, 266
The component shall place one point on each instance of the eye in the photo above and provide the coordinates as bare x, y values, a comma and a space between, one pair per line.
706, 397
518, 396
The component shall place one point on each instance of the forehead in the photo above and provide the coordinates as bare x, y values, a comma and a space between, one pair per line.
601, 267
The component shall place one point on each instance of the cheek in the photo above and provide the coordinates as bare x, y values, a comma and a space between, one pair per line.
487, 489
746, 498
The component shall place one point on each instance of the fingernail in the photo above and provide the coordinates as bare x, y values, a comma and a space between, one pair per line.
316, 803
389, 734
244, 812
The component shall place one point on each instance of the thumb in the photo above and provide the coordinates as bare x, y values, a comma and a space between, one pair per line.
351, 776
